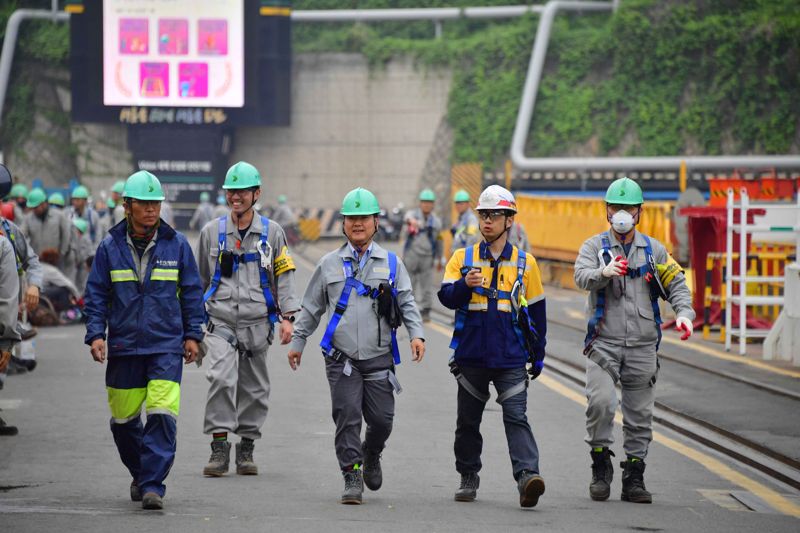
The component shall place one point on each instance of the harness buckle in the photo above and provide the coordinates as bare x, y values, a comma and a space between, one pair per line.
491, 293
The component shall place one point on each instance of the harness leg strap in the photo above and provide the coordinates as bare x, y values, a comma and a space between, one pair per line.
380, 375
522, 386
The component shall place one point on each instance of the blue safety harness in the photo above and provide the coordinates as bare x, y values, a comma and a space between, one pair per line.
263, 257
491, 293
11, 238
600, 307
350, 283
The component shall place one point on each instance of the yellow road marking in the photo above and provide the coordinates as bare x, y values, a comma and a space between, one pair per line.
713, 353
772, 497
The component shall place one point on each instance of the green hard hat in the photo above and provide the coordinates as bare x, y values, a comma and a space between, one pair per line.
56, 199
118, 187
204, 196
110, 203
19, 190
360, 202
143, 185
36, 197
80, 192
242, 175
281, 198
81, 224
461, 196
427, 195
624, 191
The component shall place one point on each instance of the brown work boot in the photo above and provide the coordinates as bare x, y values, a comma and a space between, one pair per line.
244, 459
220, 459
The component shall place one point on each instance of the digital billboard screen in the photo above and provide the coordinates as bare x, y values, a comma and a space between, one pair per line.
182, 53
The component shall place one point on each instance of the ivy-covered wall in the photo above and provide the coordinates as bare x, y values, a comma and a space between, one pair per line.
661, 77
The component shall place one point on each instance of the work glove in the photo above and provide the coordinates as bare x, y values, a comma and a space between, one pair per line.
617, 267
685, 325
535, 369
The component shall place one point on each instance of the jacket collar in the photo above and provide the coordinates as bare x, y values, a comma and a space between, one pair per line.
638, 239
255, 225
378, 252
120, 231
508, 249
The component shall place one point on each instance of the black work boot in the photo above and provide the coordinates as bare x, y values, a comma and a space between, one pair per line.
469, 488
353, 486
136, 492
530, 486
244, 459
373, 475
602, 474
6, 430
633, 482
220, 459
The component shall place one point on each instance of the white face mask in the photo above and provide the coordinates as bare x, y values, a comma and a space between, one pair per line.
622, 222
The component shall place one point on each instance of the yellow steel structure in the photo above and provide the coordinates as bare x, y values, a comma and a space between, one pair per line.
557, 226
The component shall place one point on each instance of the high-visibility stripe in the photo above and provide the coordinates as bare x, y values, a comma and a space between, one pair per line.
162, 395
123, 275
125, 404
164, 274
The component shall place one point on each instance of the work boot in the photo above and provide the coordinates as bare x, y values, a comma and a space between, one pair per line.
244, 459
530, 486
220, 459
6, 430
633, 489
152, 501
602, 474
136, 492
373, 475
353, 486
426, 315
469, 488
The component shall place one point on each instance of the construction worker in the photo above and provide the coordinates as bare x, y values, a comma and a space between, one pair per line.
30, 279
283, 214
204, 212
81, 209
367, 294
118, 209
49, 231
501, 327
84, 252
625, 272
221, 209
248, 275
518, 237
423, 249
19, 194
465, 231
56, 200
145, 288
9, 294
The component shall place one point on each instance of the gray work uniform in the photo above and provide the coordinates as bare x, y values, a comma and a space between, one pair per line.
221, 211
26, 254
118, 214
96, 230
420, 253
239, 392
53, 232
466, 231
361, 381
202, 215
9, 296
626, 342
518, 237
84, 250
283, 215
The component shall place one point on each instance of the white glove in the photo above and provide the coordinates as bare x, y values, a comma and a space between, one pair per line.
685, 325
617, 267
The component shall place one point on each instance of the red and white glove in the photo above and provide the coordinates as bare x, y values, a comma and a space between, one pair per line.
617, 267
685, 325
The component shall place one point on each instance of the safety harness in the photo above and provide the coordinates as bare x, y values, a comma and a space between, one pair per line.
596, 321
490, 293
12, 239
350, 283
263, 256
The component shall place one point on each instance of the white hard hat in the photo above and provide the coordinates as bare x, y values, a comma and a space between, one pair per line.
495, 197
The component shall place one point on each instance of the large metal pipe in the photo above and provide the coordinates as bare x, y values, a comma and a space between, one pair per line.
10, 43
528, 100
433, 13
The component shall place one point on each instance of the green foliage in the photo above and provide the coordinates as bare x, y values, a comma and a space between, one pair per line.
657, 78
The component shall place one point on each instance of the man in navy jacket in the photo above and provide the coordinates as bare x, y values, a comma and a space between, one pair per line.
145, 288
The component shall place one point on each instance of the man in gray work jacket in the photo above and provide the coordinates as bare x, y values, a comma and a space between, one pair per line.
248, 275
367, 294
626, 273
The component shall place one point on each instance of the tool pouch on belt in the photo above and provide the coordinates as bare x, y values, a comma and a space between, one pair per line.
388, 307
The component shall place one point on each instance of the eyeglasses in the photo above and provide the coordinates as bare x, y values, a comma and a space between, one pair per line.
239, 192
491, 215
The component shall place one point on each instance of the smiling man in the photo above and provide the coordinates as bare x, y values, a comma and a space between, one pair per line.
367, 293
145, 289
248, 276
